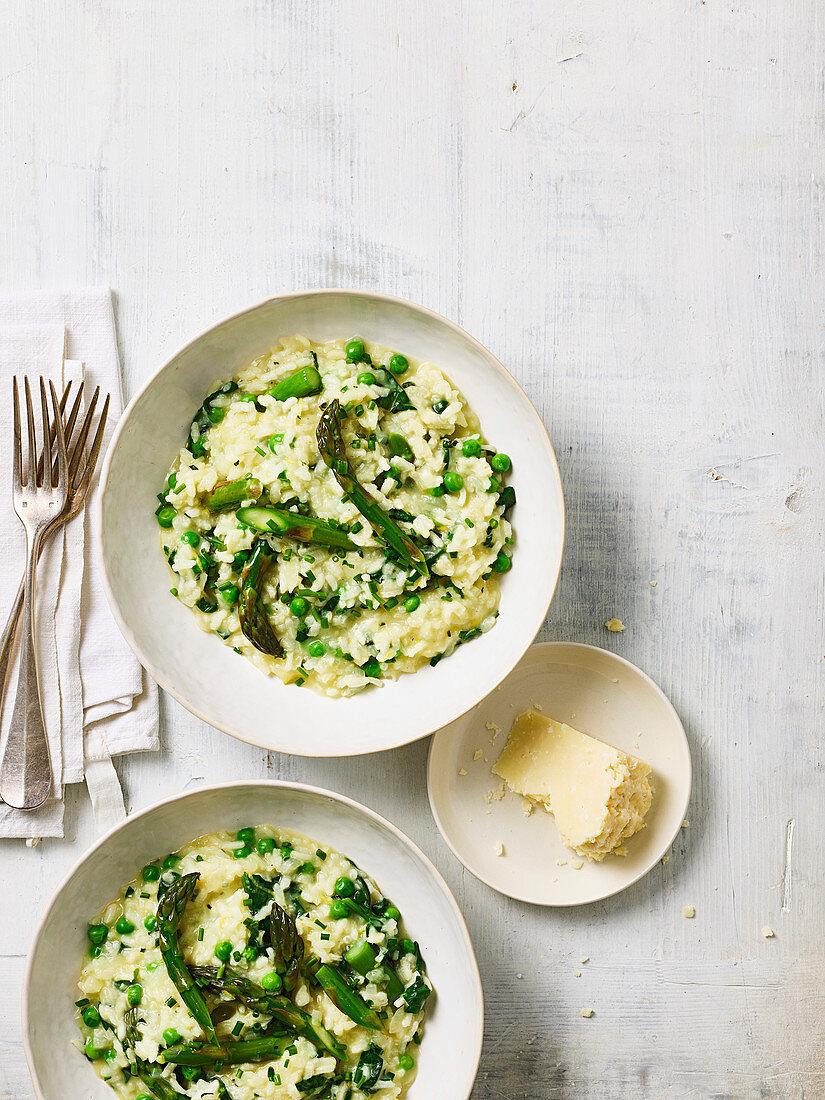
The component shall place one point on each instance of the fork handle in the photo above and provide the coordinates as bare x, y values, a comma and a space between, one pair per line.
26, 771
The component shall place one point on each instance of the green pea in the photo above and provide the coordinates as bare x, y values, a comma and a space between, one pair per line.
153, 965
124, 926
247, 837
392, 913
436, 491
91, 1017
191, 538
299, 607
151, 873
453, 482
272, 982
98, 933
405, 1062
229, 593
354, 350
246, 397
366, 379
166, 515
502, 562
249, 954
171, 1036
412, 603
344, 887
223, 950
500, 463
242, 853
494, 485
265, 846
338, 910
440, 406
150, 923
398, 363
170, 861
471, 448
316, 649
109, 1055
134, 994
285, 851
216, 413
91, 1051
307, 868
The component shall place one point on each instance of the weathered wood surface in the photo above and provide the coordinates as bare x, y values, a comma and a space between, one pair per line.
623, 201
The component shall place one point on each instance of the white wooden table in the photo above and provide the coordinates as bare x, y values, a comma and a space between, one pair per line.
623, 201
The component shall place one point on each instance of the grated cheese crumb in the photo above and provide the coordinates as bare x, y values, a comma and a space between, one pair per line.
689, 911
499, 849
462, 771
477, 755
587, 1013
615, 626
768, 932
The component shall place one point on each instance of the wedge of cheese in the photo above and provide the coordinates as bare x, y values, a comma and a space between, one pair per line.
598, 795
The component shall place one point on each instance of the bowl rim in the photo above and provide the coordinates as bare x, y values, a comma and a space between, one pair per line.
132, 819
520, 896
156, 673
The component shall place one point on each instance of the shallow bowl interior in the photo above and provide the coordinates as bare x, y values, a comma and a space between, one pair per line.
207, 676
448, 1056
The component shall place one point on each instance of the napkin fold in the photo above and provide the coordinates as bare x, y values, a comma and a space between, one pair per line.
97, 699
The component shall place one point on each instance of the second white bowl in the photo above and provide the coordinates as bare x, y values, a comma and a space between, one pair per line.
205, 675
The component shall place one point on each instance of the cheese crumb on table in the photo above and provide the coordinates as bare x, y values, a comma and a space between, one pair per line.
689, 912
768, 932
462, 771
597, 794
584, 959
577, 974
616, 626
477, 755
577, 864
587, 1013
499, 849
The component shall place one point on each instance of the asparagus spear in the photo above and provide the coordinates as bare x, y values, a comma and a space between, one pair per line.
287, 945
251, 613
334, 452
262, 1048
341, 993
362, 958
227, 494
278, 521
170, 911
301, 383
227, 980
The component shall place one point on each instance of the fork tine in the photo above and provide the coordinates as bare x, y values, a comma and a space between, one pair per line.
47, 473
63, 401
32, 474
17, 460
61, 442
94, 450
80, 444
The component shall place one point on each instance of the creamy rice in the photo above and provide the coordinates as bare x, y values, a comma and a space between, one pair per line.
124, 980
369, 616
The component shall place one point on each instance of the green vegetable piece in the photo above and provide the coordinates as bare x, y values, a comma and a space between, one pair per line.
354, 350
366, 1073
90, 1015
333, 450
453, 482
344, 997
134, 994
166, 515
436, 491
391, 913
272, 982
252, 615
124, 926
249, 954
263, 1048
412, 603
500, 463
287, 946
344, 887
150, 922
265, 846
223, 950
399, 446
247, 837
151, 873
405, 1062
92, 1052
229, 494
367, 378
303, 382
191, 538
397, 400
229, 593
507, 497
440, 406
338, 910
471, 448
363, 960
398, 363
170, 912
299, 607
372, 668
294, 525
416, 994
316, 649
98, 933
171, 1036
502, 563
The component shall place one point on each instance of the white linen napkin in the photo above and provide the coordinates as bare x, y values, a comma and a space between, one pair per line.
98, 700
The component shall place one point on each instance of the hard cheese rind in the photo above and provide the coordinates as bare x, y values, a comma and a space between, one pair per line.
598, 795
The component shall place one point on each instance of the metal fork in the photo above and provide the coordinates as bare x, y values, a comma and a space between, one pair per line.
79, 480
26, 772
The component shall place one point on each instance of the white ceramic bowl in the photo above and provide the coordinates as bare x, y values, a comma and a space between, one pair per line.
205, 675
449, 1054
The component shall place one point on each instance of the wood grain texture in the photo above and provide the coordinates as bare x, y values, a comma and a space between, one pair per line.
623, 201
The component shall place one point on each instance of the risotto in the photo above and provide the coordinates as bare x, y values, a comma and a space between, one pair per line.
337, 517
257, 966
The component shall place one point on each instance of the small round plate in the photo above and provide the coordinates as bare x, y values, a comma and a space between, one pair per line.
597, 693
